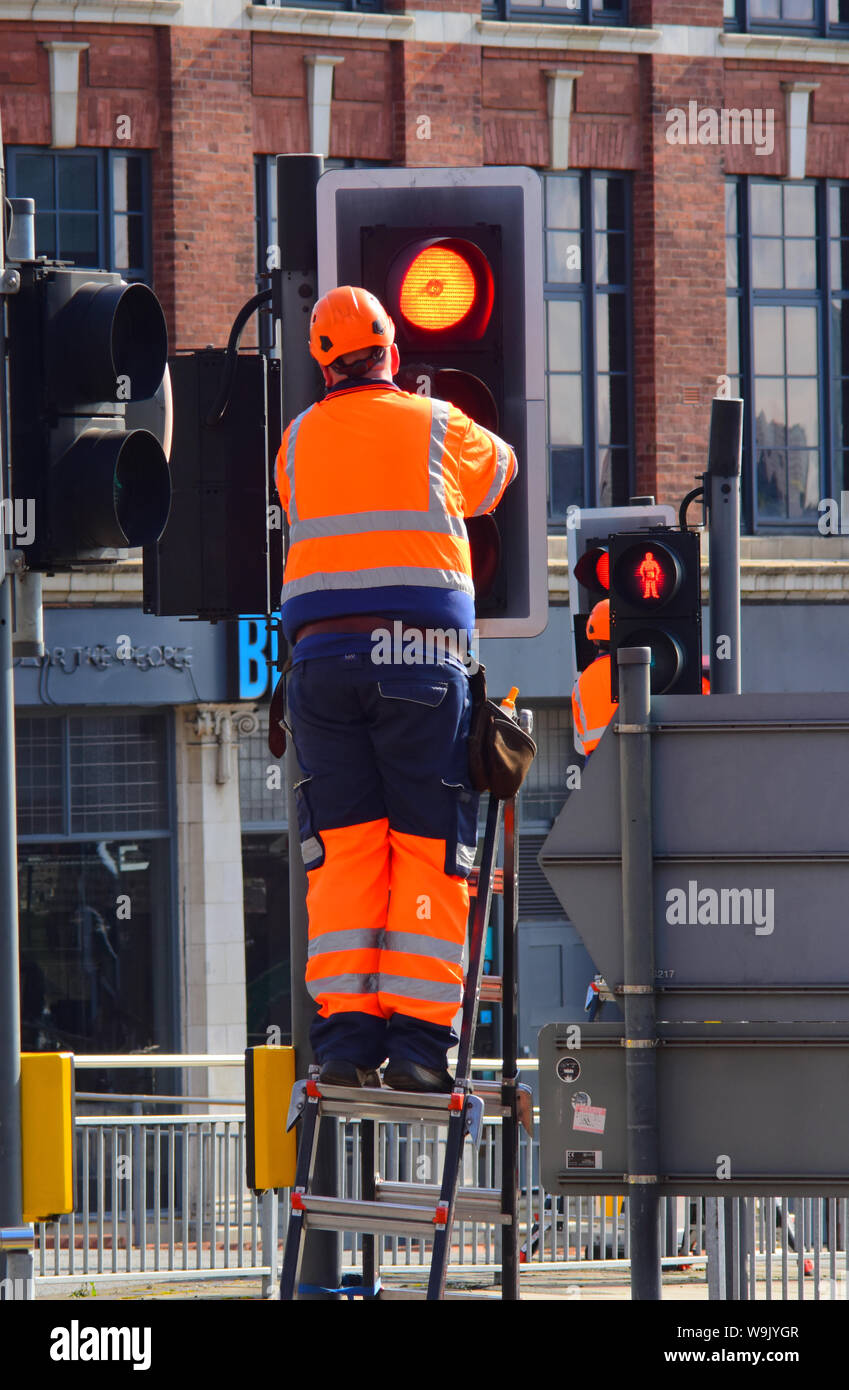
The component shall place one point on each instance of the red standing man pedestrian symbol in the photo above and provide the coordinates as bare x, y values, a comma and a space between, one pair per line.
650, 572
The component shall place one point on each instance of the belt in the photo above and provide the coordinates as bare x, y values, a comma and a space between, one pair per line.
360, 622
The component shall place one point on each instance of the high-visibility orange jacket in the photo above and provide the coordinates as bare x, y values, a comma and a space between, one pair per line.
376, 483
592, 707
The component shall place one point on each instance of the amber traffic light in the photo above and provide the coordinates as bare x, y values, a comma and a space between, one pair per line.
441, 285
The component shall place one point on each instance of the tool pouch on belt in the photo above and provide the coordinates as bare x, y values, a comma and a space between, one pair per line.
277, 725
500, 752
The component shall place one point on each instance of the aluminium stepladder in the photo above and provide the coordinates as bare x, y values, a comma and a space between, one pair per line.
416, 1209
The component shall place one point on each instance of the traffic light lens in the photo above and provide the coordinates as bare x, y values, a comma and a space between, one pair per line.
593, 570
444, 286
647, 575
667, 657
438, 290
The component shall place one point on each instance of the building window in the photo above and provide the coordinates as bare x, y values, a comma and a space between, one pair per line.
263, 806
375, 6
561, 11
98, 960
826, 18
788, 343
92, 207
588, 321
265, 877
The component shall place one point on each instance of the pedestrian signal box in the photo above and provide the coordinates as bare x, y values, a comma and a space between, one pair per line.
588, 541
455, 257
655, 602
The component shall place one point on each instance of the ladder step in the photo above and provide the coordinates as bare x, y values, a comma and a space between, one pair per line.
471, 1203
381, 1103
399, 1292
346, 1214
492, 989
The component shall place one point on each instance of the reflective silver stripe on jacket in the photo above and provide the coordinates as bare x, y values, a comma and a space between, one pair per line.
377, 578
584, 734
416, 944
342, 984
290, 466
437, 991
355, 523
354, 939
503, 460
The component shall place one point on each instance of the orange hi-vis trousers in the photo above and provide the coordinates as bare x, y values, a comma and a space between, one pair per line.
388, 824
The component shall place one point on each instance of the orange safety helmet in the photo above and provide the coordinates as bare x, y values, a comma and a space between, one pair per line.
345, 320
598, 623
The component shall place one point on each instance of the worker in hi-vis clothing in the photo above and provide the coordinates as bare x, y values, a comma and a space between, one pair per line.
376, 483
592, 707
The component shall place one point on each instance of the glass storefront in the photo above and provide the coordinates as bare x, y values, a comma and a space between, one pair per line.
95, 874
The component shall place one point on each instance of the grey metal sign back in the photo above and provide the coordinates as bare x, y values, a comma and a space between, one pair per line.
740, 1109
751, 857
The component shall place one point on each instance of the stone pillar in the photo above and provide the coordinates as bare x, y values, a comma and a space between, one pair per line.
212, 926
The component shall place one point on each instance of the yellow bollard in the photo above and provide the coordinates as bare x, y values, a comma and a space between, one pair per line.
271, 1153
47, 1125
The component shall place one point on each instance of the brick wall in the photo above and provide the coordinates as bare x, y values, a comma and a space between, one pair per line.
117, 78
679, 280
361, 123
436, 94
204, 102
204, 190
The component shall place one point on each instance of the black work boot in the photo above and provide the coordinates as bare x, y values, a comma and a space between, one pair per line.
403, 1075
335, 1072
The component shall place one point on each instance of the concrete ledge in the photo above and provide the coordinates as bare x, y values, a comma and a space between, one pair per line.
804, 569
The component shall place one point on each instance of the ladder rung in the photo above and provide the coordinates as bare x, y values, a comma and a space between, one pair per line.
471, 1203
474, 878
491, 989
384, 1104
399, 1292
346, 1214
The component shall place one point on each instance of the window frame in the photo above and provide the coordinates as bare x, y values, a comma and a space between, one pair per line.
587, 293
361, 6
819, 27
65, 715
830, 449
106, 159
582, 13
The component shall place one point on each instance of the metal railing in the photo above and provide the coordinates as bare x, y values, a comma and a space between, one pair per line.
164, 1197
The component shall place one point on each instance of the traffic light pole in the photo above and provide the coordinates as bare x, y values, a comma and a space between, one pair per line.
294, 292
15, 1256
639, 980
723, 498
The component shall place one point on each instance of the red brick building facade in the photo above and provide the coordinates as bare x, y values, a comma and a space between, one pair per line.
204, 101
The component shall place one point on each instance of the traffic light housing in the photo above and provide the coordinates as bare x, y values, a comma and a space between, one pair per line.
224, 540
588, 555
455, 257
81, 345
655, 601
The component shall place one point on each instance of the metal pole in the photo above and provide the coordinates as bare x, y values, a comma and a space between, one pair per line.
639, 987
723, 498
722, 482
295, 290
15, 1263
509, 1055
